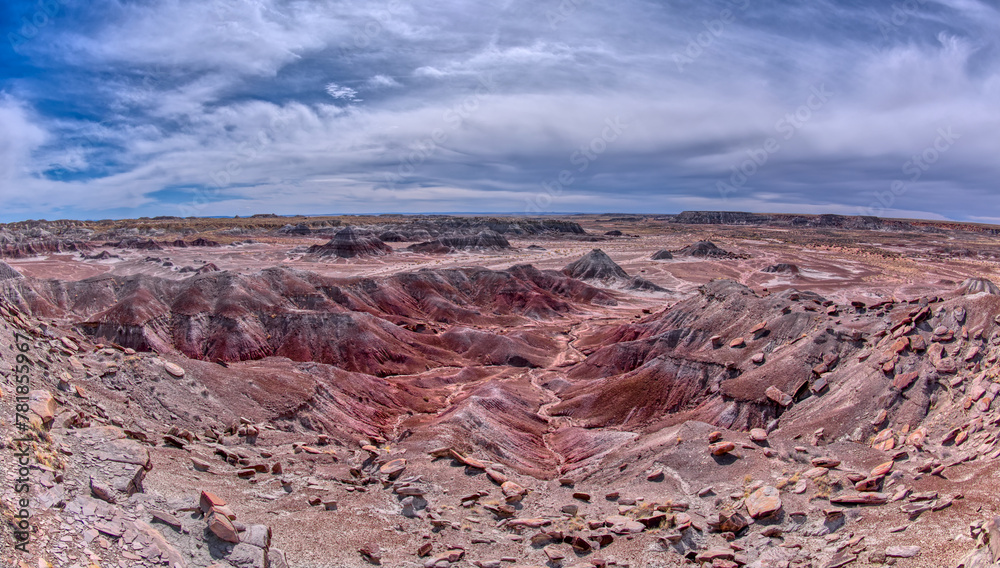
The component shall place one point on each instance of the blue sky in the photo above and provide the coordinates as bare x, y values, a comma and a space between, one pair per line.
115, 108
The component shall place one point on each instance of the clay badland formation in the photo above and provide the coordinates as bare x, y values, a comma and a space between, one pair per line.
707, 389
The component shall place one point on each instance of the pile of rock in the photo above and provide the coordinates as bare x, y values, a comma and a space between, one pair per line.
252, 544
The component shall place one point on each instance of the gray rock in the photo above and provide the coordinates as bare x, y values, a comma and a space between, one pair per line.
902, 551
166, 518
246, 555
257, 535
101, 490
276, 557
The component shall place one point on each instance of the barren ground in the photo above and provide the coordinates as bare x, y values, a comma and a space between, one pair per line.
596, 400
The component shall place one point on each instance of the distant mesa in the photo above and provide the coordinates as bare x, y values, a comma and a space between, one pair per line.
179, 243
531, 226
203, 242
408, 235
536, 247
782, 268
484, 241
597, 265
103, 255
7, 272
663, 255
10, 249
300, 229
392, 237
615, 233
789, 220
135, 244
349, 243
704, 249
720, 218
979, 286
428, 229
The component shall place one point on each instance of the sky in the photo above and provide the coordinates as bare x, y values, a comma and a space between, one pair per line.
127, 108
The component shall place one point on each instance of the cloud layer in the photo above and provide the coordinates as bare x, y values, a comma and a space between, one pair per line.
219, 107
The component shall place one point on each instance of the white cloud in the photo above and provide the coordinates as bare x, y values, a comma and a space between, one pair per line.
428, 71
21, 136
340, 92
234, 37
382, 81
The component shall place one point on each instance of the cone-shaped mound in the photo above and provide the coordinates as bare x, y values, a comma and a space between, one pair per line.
704, 249
782, 268
663, 255
979, 285
210, 267
7, 272
348, 243
596, 264
640, 283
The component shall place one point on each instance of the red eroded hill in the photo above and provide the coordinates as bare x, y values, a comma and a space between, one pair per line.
735, 359
357, 324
